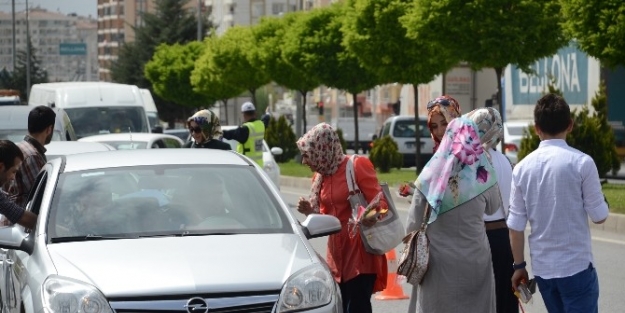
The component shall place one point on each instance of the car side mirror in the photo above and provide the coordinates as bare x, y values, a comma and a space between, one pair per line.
319, 225
157, 129
15, 238
276, 151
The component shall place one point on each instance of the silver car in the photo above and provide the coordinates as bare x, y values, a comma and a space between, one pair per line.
172, 230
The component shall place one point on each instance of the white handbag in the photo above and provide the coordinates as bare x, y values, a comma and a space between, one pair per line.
388, 231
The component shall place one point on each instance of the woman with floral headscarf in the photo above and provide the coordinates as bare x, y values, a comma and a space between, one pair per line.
358, 273
490, 128
206, 131
458, 185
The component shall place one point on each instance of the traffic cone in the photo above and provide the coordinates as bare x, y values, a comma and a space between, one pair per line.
393, 290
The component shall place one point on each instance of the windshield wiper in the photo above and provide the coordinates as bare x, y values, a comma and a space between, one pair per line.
187, 234
89, 237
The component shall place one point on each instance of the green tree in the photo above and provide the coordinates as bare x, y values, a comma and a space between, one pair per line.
230, 59
169, 71
280, 134
385, 154
490, 33
17, 79
314, 44
269, 35
373, 34
169, 24
206, 77
598, 26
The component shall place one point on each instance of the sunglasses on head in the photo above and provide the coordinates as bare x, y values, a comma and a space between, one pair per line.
196, 129
444, 102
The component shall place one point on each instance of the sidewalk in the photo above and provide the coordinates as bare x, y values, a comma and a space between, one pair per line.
615, 222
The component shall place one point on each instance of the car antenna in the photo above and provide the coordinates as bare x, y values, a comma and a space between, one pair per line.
130, 132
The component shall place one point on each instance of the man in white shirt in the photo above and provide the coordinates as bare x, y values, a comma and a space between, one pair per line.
490, 125
556, 188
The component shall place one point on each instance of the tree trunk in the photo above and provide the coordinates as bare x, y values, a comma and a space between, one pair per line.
417, 142
502, 109
253, 93
355, 107
304, 110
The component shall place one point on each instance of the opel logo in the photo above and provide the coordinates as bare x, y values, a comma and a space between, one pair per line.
196, 305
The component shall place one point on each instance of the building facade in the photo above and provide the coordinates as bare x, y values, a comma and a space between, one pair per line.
65, 44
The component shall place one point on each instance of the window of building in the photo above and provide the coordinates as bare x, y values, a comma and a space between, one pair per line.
277, 8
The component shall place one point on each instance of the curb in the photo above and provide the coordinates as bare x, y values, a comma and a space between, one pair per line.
614, 224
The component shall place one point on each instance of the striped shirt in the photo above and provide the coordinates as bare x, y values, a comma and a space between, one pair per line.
34, 160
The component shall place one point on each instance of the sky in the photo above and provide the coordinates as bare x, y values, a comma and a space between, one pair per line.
80, 7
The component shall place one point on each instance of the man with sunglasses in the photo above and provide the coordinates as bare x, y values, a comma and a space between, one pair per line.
251, 134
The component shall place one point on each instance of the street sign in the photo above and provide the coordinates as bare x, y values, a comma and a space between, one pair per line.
72, 48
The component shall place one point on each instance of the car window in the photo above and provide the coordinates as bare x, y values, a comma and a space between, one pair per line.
171, 143
516, 130
386, 129
104, 120
127, 145
17, 135
36, 193
407, 128
164, 200
619, 137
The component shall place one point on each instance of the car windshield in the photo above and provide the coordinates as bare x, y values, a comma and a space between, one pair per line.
406, 129
151, 201
104, 120
17, 135
516, 130
127, 145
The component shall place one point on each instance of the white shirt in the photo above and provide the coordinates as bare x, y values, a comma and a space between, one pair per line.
557, 188
503, 171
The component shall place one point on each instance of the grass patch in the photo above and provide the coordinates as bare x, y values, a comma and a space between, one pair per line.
393, 178
615, 193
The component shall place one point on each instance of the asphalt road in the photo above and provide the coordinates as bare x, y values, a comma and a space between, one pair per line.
608, 250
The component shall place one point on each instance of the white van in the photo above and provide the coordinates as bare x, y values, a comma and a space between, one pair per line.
402, 129
151, 111
95, 107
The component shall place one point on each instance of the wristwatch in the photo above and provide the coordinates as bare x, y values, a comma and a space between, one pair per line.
519, 266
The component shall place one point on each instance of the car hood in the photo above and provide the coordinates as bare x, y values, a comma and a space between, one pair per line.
183, 265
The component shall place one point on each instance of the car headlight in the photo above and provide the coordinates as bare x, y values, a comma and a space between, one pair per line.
309, 288
62, 294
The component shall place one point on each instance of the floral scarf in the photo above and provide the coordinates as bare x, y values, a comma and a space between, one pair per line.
448, 107
209, 122
459, 170
489, 124
323, 149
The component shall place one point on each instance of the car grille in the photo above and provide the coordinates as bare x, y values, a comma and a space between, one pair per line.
241, 304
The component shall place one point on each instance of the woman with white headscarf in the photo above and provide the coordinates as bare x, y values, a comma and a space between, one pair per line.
490, 127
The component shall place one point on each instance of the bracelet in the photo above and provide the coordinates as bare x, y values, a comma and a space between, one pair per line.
519, 266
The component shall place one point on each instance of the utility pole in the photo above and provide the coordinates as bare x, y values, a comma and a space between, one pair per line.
199, 20
13, 20
27, 53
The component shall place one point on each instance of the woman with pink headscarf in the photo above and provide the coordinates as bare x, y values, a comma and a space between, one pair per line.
358, 273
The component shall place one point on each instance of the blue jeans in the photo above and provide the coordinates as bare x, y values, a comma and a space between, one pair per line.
574, 294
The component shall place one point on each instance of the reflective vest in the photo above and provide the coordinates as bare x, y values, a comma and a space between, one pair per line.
253, 147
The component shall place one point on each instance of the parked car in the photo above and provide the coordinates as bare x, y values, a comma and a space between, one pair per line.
402, 130
56, 149
126, 141
175, 230
269, 162
513, 133
14, 124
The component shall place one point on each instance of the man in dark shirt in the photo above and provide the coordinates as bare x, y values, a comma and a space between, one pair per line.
11, 158
251, 134
41, 121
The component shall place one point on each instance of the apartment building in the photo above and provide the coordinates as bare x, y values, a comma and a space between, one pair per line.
116, 22
65, 44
